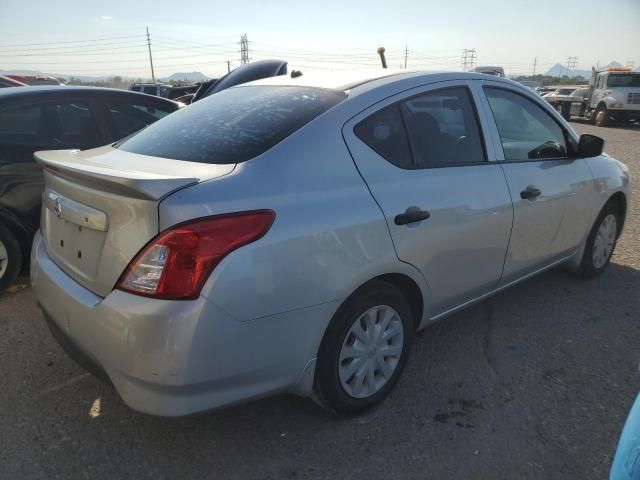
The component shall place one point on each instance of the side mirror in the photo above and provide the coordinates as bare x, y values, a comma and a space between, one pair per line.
590, 145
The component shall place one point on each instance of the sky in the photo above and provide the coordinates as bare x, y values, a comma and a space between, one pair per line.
87, 37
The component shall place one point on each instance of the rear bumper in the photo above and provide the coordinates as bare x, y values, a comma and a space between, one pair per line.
175, 358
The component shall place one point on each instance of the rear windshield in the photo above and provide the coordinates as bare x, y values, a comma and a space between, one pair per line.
234, 125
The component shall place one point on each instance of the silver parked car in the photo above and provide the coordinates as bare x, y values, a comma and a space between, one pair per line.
291, 235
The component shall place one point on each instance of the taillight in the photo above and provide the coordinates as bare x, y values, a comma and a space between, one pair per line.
177, 262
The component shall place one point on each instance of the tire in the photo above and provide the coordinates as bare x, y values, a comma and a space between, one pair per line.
601, 117
379, 308
593, 263
10, 258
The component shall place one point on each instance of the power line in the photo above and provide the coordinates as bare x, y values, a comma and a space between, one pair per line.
74, 48
75, 54
71, 41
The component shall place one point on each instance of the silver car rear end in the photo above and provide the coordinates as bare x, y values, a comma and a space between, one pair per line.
100, 208
257, 325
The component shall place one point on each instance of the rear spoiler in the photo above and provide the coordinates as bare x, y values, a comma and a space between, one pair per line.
111, 177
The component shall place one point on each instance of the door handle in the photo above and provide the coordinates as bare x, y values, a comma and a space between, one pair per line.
530, 192
411, 215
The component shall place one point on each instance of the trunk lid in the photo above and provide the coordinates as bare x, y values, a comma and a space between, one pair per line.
100, 207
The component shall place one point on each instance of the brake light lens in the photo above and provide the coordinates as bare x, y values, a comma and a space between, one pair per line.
177, 263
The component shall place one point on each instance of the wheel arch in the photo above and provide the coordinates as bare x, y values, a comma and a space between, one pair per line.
410, 290
20, 231
620, 200
407, 286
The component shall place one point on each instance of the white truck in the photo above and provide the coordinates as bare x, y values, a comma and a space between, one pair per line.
613, 95
496, 71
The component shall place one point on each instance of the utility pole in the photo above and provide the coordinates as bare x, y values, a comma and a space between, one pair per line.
406, 54
535, 63
153, 75
228, 66
468, 58
244, 49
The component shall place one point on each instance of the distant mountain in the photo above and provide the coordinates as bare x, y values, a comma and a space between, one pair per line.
84, 78
186, 76
560, 70
176, 77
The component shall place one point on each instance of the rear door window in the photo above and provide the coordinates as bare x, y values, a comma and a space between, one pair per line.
67, 124
384, 133
234, 125
150, 90
434, 129
19, 124
443, 129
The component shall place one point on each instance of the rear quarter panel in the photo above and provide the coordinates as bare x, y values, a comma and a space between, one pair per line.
328, 238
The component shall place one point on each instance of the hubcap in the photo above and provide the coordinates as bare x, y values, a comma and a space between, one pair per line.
4, 259
371, 351
604, 241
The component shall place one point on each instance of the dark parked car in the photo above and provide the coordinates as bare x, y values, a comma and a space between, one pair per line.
36, 80
10, 82
55, 117
171, 92
243, 74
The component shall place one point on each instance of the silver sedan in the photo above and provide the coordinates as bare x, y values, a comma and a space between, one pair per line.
292, 235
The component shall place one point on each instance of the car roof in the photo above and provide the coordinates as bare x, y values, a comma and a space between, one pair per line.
16, 92
336, 80
358, 81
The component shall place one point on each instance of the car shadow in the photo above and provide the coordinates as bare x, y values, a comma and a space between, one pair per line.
519, 378
618, 125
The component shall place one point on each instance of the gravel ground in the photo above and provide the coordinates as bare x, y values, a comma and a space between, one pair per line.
534, 383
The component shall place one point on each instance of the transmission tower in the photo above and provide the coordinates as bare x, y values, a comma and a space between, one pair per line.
244, 49
631, 64
468, 59
571, 63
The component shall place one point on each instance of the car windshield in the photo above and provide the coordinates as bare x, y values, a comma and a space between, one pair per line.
234, 125
624, 80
